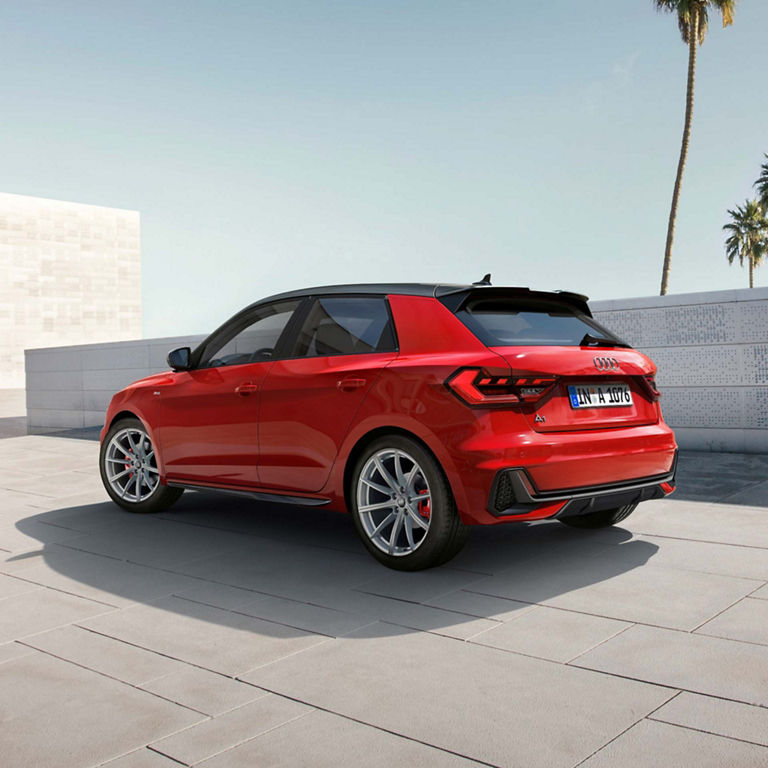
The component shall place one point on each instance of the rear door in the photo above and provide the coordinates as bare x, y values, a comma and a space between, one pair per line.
575, 374
309, 400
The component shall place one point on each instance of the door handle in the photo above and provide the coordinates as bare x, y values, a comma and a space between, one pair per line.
350, 384
246, 388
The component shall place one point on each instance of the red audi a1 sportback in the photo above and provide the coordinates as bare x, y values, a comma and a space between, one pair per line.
420, 409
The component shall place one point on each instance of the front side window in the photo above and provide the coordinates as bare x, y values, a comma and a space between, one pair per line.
530, 322
346, 326
251, 341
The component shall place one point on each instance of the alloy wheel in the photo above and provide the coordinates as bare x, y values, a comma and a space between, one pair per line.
394, 502
131, 466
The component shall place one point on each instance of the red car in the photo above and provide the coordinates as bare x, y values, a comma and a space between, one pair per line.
421, 409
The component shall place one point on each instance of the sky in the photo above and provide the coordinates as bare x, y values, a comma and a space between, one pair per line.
277, 145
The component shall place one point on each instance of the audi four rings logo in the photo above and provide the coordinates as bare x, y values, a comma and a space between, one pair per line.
606, 363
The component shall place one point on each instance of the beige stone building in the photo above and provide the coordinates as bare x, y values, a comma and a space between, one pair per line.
69, 274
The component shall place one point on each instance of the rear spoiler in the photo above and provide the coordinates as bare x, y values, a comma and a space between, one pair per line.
455, 297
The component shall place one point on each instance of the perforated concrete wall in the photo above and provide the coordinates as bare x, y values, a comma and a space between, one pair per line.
711, 350
712, 353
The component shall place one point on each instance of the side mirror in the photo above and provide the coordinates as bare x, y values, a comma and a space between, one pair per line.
179, 359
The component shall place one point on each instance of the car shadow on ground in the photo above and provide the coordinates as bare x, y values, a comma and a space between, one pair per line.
242, 564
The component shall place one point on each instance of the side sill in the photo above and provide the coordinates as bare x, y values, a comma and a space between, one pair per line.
300, 501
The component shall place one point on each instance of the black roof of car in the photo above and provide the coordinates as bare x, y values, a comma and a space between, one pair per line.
435, 290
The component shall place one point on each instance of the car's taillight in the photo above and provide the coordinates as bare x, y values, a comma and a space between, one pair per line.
480, 388
649, 385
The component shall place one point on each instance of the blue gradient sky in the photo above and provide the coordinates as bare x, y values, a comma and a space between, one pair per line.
274, 145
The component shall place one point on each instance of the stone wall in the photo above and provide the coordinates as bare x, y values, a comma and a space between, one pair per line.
71, 274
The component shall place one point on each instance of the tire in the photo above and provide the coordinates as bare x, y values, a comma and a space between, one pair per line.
602, 519
411, 529
127, 462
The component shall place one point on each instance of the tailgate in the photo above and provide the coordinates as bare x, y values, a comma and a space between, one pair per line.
595, 388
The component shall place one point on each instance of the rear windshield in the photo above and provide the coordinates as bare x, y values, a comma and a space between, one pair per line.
526, 322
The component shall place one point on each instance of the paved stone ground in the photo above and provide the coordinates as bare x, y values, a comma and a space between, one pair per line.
227, 633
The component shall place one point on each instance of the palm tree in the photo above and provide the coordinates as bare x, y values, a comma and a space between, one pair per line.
762, 187
692, 18
748, 239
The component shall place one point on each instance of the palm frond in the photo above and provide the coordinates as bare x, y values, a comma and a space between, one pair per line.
686, 9
748, 234
762, 186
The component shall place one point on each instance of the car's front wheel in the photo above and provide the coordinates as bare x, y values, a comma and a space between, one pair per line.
403, 507
602, 519
128, 465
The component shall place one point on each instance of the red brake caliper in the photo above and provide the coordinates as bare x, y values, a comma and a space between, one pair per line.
128, 464
423, 506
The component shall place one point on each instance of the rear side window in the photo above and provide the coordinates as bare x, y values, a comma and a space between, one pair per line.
526, 322
346, 326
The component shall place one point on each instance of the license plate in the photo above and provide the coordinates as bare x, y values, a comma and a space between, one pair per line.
609, 395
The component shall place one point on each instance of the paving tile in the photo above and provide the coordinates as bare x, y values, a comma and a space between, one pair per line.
10, 651
691, 662
228, 730
724, 523
551, 633
219, 595
747, 621
658, 745
218, 640
10, 586
32, 534
141, 758
60, 485
611, 584
755, 496
723, 559
457, 696
57, 715
13, 563
408, 615
103, 654
155, 542
102, 578
43, 609
314, 618
325, 740
719, 716
761, 593
202, 690
289, 570
480, 606
418, 586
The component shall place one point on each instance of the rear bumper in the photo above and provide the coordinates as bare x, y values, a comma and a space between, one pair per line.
515, 495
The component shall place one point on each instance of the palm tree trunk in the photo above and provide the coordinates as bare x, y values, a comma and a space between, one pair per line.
692, 43
751, 272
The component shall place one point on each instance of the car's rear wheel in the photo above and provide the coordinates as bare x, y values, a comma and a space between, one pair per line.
129, 471
601, 519
403, 507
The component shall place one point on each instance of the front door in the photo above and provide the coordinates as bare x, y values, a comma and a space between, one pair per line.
209, 416
309, 400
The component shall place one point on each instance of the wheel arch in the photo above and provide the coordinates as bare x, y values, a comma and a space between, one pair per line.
365, 440
124, 414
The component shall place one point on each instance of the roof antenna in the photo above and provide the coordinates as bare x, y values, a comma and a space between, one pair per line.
485, 281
